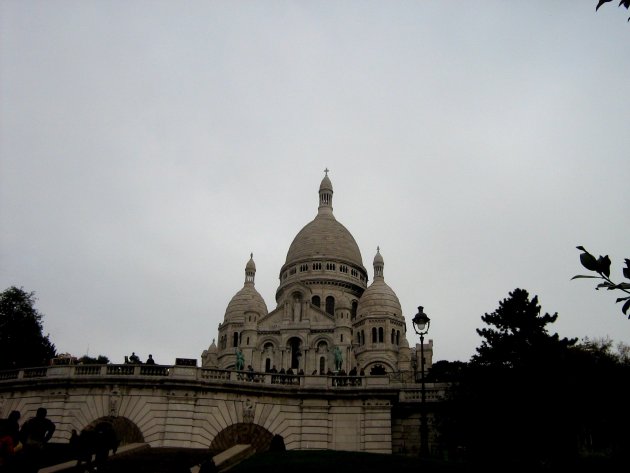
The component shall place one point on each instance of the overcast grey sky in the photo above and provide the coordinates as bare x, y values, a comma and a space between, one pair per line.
147, 147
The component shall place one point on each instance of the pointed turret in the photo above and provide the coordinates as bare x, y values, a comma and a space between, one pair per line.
250, 270
378, 264
325, 195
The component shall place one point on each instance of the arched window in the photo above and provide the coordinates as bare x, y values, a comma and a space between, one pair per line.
330, 305
316, 301
353, 312
362, 337
235, 341
397, 337
377, 369
322, 365
267, 365
374, 335
393, 336
380, 334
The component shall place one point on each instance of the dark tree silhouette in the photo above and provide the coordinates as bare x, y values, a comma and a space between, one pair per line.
601, 266
89, 360
22, 343
511, 404
517, 333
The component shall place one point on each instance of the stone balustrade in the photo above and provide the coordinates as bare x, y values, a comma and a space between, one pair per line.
409, 391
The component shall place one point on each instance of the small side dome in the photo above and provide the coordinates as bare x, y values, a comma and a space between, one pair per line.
379, 298
343, 302
247, 299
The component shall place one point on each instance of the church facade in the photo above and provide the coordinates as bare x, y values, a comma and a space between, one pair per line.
327, 318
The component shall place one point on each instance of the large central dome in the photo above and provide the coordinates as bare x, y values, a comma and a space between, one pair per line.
324, 237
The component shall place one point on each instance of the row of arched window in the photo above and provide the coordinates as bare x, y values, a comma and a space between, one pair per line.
378, 336
328, 266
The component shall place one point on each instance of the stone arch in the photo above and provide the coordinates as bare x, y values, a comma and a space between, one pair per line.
378, 367
263, 343
295, 345
126, 431
242, 433
321, 338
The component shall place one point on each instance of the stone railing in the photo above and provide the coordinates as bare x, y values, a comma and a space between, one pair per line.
434, 392
408, 391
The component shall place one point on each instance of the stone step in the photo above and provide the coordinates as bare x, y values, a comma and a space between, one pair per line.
132, 447
230, 457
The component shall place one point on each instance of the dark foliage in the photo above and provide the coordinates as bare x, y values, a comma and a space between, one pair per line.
22, 343
99, 360
601, 266
625, 3
517, 336
520, 402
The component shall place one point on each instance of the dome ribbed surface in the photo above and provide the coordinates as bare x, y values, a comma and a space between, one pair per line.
324, 238
245, 300
379, 298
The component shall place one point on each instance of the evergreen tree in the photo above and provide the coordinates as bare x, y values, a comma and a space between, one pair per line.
517, 335
22, 343
511, 404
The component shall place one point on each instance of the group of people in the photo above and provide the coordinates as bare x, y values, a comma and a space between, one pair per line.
134, 359
21, 448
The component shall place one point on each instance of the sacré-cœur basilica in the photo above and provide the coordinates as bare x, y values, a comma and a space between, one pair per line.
328, 319
346, 376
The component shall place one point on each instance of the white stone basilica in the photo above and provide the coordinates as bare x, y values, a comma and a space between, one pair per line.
327, 318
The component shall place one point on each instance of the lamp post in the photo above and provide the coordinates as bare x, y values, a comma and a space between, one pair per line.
421, 324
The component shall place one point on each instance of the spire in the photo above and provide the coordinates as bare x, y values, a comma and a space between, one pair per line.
325, 195
378, 264
250, 270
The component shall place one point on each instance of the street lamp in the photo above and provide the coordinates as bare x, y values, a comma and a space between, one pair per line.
421, 324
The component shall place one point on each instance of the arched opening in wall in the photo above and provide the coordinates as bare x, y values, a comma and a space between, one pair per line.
380, 334
242, 433
235, 339
267, 365
330, 305
316, 301
322, 364
374, 335
295, 346
397, 337
353, 313
126, 431
377, 369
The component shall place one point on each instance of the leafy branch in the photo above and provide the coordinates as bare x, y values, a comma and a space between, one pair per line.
601, 266
625, 3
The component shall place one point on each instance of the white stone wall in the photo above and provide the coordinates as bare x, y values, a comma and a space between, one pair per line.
183, 417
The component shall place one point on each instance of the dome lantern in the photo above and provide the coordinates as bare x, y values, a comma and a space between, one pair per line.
378, 264
250, 270
325, 195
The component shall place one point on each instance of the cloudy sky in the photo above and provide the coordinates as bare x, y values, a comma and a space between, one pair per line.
147, 147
